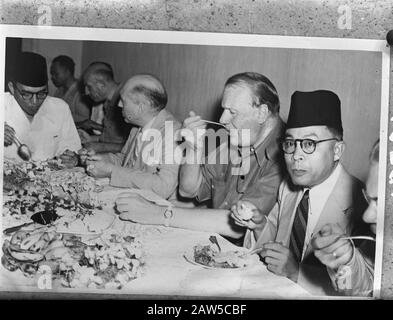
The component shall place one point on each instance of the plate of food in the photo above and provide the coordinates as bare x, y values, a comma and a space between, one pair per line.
209, 256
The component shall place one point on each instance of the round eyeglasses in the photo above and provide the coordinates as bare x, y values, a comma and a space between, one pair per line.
308, 145
27, 95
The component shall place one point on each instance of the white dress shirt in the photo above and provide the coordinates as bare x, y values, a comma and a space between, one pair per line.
318, 196
50, 132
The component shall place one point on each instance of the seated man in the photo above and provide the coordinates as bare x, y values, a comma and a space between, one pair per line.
352, 268
143, 100
318, 191
250, 105
108, 127
69, 88
41, 122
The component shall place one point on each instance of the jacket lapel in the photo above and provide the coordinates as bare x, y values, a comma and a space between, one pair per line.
336, 207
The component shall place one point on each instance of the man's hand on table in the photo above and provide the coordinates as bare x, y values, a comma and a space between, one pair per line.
134, 208
86, 154
69, 158
98, 168
330, 249
245, 214
89, 125
280, 260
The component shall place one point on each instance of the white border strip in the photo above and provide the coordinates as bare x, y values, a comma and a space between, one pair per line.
192, 38
238, 40
383, 142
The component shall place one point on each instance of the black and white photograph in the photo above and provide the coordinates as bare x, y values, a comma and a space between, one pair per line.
191, 164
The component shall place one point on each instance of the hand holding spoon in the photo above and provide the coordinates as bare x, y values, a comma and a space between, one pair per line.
23, 150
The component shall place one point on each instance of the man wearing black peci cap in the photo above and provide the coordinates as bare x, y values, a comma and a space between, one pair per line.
41, 122
317, 192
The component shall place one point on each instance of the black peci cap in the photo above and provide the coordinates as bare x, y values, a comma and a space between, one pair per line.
30, 70
316, 108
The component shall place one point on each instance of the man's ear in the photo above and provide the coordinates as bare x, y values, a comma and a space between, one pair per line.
262, 113
339, 148
11, 87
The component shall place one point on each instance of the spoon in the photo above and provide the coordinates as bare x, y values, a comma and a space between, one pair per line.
23, 150
213, 240
212, 122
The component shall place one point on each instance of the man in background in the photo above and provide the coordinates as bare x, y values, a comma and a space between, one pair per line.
141, 164
41, 122
69, 89
109, 130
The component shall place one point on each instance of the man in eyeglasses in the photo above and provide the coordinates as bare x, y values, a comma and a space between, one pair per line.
41, 122
319, 191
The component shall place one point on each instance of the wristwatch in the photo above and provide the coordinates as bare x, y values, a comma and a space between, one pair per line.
168, 215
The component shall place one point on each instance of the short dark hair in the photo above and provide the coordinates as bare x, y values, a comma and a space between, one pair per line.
374, 154
263, 89
66, 62
157, 98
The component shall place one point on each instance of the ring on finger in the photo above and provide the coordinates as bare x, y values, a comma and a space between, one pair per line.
334, 254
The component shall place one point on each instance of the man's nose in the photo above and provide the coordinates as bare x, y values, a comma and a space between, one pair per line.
298, 154
370, 215
87, 91
225, 117
34, 98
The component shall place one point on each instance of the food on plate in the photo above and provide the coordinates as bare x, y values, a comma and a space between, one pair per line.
44, 186
110, 261
110, 265
209, 256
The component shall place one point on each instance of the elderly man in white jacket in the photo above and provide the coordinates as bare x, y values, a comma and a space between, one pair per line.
41, 122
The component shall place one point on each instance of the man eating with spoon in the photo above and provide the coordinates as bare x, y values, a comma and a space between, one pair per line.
250, 104
43, 124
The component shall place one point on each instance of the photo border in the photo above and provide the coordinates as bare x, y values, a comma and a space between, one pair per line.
237, 40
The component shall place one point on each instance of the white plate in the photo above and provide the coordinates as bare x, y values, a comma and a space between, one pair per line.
189, 256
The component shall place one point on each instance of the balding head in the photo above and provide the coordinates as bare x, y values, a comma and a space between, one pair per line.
98, 81
100, 69
148, 88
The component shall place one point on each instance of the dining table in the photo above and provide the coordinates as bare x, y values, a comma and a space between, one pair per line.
168, 269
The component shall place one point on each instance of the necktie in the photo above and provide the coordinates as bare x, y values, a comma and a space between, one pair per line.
299, 227
138, 146
132, 151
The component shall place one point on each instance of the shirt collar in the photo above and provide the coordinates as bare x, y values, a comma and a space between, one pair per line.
270, 146
321, 192
148, 125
